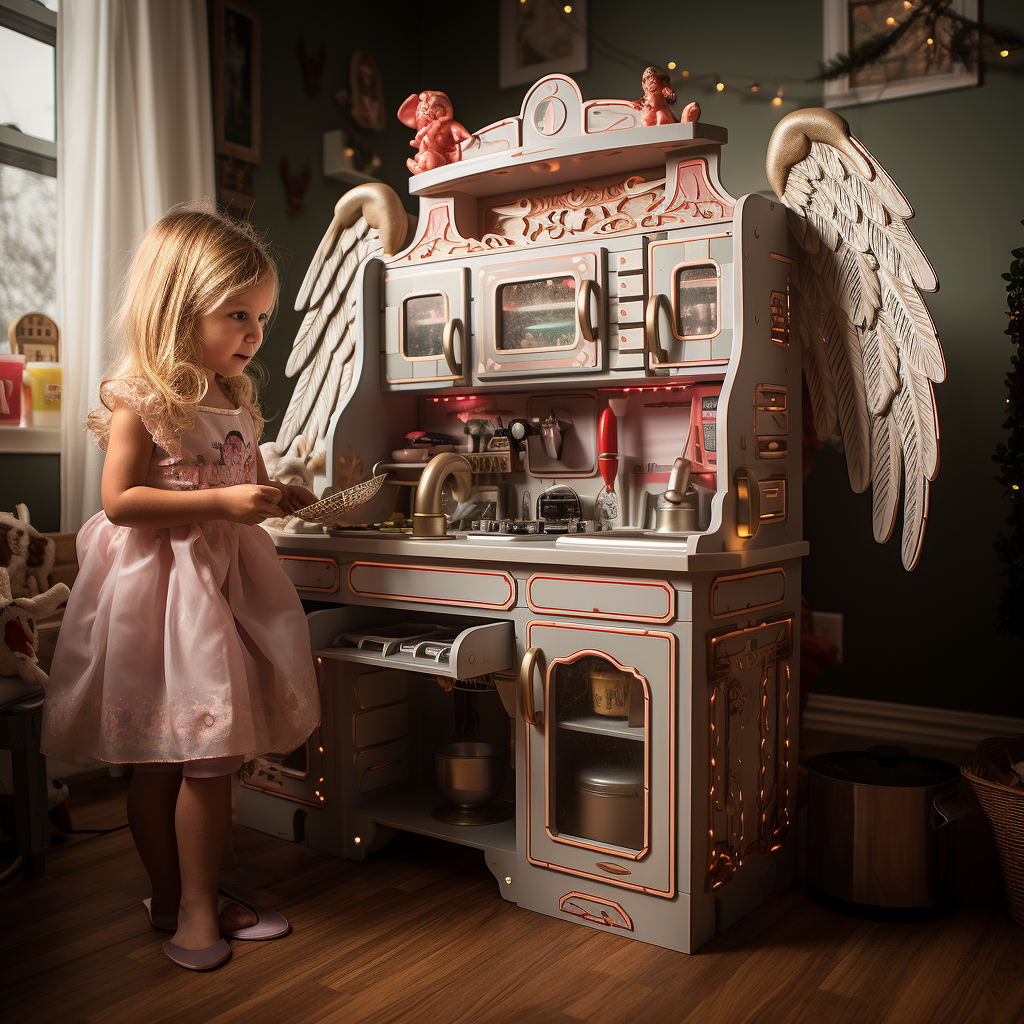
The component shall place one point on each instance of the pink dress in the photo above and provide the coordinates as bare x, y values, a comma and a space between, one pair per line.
188, 642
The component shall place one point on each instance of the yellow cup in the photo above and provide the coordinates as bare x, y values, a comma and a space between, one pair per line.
45, 381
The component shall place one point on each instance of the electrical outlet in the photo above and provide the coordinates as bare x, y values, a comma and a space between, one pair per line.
830, 626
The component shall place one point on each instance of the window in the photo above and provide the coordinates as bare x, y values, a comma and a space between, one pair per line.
28, 161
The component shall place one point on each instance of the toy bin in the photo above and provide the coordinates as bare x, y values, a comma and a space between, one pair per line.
45, 380
11, 370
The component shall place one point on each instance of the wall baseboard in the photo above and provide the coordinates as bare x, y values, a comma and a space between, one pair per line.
908, 723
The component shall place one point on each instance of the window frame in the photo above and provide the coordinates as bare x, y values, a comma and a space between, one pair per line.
17, 149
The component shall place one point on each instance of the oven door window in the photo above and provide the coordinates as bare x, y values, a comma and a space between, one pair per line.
697, 295
537, 314
423, 319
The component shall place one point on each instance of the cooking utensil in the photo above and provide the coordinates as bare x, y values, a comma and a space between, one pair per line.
420, 453
557, 505
333, 507
878, 837
471, 775
610, 804
608, 447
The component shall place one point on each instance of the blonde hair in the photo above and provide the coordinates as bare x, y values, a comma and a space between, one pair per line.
184, 266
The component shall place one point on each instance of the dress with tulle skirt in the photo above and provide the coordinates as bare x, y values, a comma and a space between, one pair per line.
188, 642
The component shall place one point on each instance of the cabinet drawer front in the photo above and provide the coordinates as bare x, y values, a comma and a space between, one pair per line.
602, 598
464, 588
623, 262
631, 339
311, 573
627, 311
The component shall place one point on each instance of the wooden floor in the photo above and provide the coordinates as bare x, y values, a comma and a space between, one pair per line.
419, 933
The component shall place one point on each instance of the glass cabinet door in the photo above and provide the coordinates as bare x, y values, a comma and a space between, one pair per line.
540, 316
689, 315
602, 763
425, 328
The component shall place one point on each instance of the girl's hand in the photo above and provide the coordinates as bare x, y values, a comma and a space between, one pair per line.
250, 504
295, 496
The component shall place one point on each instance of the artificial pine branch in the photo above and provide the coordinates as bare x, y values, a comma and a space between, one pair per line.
1010, 457
968, 40
870, 51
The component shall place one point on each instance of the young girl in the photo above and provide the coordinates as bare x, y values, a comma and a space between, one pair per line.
184, 649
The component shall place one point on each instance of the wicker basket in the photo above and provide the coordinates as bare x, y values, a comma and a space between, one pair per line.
1004, 807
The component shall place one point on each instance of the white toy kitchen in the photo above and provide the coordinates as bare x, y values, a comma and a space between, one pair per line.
563, 629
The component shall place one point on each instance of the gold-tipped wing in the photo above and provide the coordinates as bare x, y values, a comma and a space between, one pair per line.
870, 351
368, 221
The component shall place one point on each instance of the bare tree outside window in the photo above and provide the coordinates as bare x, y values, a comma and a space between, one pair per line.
28, 246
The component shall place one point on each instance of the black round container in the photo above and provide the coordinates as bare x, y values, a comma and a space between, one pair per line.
878, 838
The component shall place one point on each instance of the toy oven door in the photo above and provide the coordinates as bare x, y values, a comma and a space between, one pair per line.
601, 766
541, 316
689, 313
425, 328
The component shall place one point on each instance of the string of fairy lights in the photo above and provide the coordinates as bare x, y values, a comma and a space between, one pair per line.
936, 16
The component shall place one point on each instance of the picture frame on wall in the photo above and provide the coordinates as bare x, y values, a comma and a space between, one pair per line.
541, 37
912, 67
236, 80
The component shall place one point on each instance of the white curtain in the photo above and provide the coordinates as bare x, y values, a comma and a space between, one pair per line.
134, 137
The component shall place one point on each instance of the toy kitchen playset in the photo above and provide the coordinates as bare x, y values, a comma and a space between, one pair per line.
565, 628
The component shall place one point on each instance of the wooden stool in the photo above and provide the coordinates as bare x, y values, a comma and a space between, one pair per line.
21, 720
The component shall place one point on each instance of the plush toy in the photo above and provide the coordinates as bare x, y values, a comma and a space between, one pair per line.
296, 466
20, 636
26, 554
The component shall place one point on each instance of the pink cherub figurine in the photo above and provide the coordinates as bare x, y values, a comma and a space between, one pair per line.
438, 134
658, 94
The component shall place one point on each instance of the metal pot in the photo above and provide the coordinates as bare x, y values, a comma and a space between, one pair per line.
610, 802
470, 775
879, 841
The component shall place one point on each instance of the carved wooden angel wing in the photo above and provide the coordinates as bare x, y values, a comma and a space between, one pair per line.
870, 351
368, 220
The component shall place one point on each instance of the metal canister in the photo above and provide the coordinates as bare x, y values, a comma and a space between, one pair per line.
879, 841
611, 807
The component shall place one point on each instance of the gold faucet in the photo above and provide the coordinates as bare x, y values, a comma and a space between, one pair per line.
428, 521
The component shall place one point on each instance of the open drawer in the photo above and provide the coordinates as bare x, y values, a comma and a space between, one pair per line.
458, 651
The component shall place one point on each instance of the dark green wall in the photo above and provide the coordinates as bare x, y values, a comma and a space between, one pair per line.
32, 480
925, 637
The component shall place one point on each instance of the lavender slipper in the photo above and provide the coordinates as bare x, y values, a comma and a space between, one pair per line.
198, 959
269, 924
148, 904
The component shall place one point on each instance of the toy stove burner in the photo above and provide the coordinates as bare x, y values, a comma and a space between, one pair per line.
511, 526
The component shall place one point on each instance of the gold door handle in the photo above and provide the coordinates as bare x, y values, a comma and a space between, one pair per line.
653, 352
530, 715
448, 344
586, 289
748, 503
